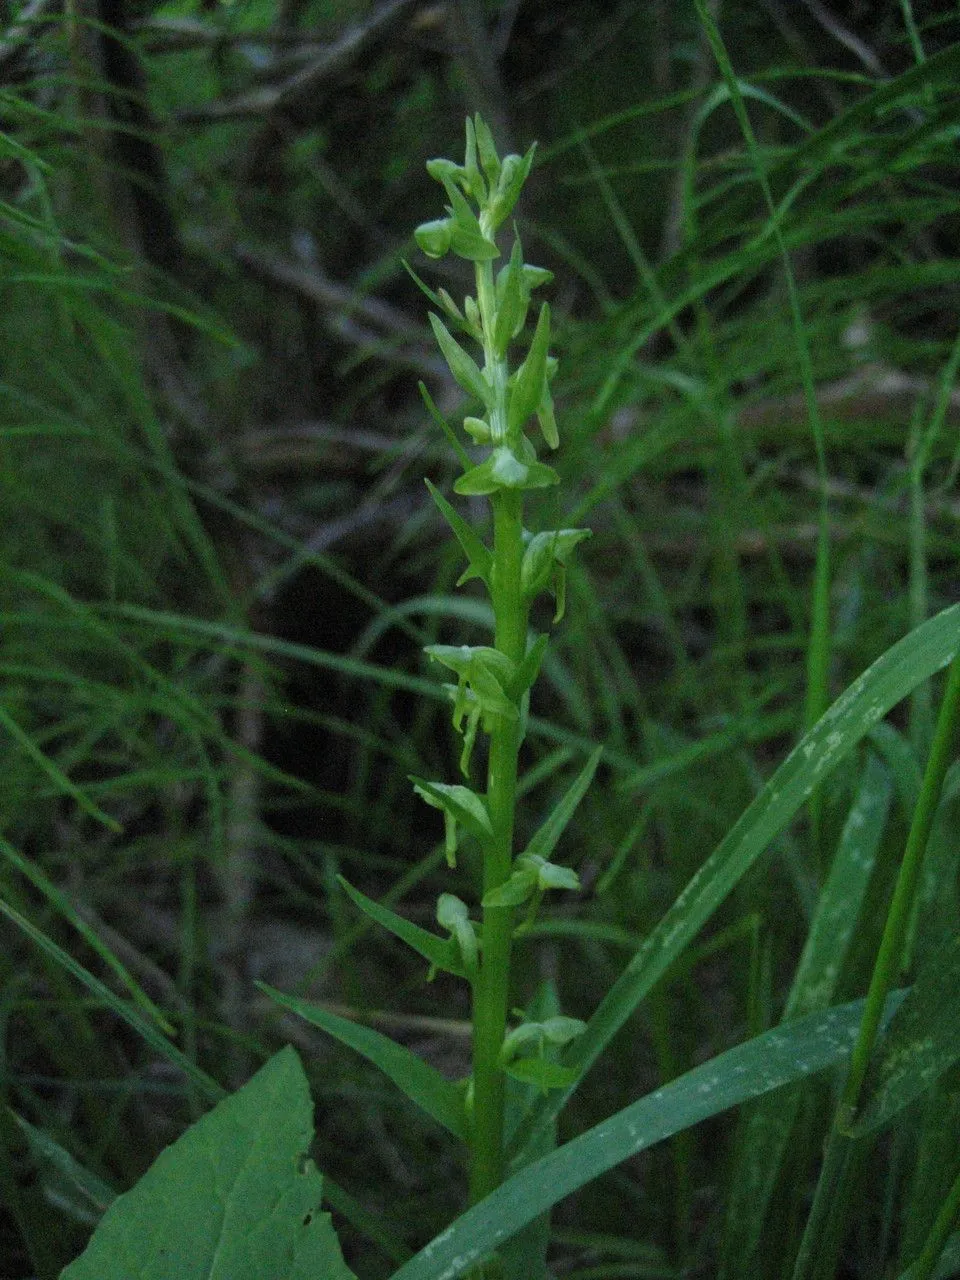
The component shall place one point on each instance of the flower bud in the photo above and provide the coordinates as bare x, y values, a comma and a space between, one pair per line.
478, 430
434, 237
441, 169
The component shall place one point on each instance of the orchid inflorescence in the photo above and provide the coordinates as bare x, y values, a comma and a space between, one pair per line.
492, 684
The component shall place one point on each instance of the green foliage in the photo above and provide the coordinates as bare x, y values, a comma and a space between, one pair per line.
234, 1196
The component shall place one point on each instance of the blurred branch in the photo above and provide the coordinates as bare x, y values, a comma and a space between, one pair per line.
474, 49
843, 35
16, 38
300, 89
340, 305
174, 35
871, 392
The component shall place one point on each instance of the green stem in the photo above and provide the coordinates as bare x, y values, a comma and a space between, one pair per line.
492, 987
949, 1213
491, 991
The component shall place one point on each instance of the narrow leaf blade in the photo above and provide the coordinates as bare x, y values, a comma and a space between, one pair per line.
423, 1084
472, 545
894, 675
923, 1041
440, 952
531, 376
545, 841
463, 367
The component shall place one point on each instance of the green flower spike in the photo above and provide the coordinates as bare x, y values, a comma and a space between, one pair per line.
497, 348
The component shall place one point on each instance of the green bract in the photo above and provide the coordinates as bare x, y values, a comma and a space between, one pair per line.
454, 916
504, 470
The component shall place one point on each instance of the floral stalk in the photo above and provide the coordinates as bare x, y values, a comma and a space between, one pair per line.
493, 682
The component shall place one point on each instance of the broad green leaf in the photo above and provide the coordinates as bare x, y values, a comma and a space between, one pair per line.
764, 1139
770, 1061
477, 554
923, 1040
545, 840
527, 392
894, 675
442, 953
423, 1084
233, 1199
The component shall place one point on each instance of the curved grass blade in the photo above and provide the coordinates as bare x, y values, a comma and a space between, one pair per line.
146, 1030
894, 675
765, 1136
95, 1194
63, 905
770, 1061
423, 1084
56, 775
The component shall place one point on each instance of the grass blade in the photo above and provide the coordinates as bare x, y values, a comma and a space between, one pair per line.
768, 1062
423, 1084
890, 679
923, 1040
545, 840
146, 1030
765, 1137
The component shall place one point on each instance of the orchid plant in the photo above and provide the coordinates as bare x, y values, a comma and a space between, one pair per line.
507, 393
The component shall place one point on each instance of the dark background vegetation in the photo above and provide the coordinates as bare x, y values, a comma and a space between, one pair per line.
210, 426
